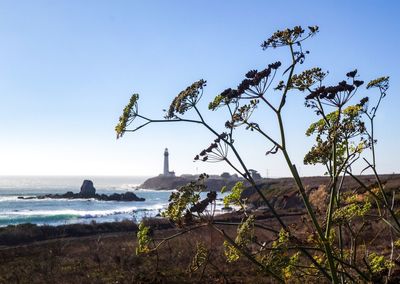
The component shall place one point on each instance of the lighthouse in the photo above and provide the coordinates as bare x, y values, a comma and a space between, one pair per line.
166, 171
166, 162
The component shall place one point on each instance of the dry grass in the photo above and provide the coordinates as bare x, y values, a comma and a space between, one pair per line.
111, 259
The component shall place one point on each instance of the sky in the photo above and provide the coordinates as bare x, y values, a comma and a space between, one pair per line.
67, 69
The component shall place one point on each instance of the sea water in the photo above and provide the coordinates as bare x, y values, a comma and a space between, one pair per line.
67, 211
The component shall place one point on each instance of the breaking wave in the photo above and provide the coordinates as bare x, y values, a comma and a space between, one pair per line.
67, 215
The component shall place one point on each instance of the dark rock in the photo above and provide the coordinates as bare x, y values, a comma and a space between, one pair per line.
130, 196
87, 189
69, 194
227, 208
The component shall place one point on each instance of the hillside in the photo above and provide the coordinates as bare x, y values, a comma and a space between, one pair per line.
283, 194
172, 182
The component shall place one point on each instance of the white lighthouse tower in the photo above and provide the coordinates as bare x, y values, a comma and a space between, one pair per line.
166, 171
166, 163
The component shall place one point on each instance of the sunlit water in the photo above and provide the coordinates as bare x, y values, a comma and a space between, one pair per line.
67, 211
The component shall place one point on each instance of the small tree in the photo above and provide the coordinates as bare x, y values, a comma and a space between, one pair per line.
343, 131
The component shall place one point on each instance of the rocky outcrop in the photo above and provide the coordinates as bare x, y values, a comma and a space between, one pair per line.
89, 191
161, 182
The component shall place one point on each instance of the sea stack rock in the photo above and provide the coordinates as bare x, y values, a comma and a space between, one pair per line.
87, 189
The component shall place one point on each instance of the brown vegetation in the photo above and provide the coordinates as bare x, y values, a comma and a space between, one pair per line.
111, 258
27, 233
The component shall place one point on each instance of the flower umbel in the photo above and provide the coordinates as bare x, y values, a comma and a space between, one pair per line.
337, 95
186, 99
382, 83
217, 151
288, 37
253, 86
129, 114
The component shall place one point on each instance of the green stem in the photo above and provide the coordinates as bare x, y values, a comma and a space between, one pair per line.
310, 211
334, 175
289, 80
295, 174
372, 142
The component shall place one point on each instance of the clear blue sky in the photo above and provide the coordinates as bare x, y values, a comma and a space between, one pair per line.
67, 68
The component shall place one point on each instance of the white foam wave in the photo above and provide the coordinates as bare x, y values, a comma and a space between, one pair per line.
30, 198
128, 187
8, 198
157, 206
78, 213
154, 190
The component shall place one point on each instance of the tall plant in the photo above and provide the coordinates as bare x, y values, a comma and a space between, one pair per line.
343, 131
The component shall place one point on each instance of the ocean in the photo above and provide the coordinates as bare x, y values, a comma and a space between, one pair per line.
15, 211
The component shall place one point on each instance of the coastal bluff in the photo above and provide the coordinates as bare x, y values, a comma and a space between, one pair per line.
214, 182
89, 191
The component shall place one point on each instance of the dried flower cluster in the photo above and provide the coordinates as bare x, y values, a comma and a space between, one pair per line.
217, 151
254, 85
128, 115
337, 95
382, 83
186, 99
288, 37
307, 78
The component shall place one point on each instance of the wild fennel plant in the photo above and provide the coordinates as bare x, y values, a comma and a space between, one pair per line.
343, 131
